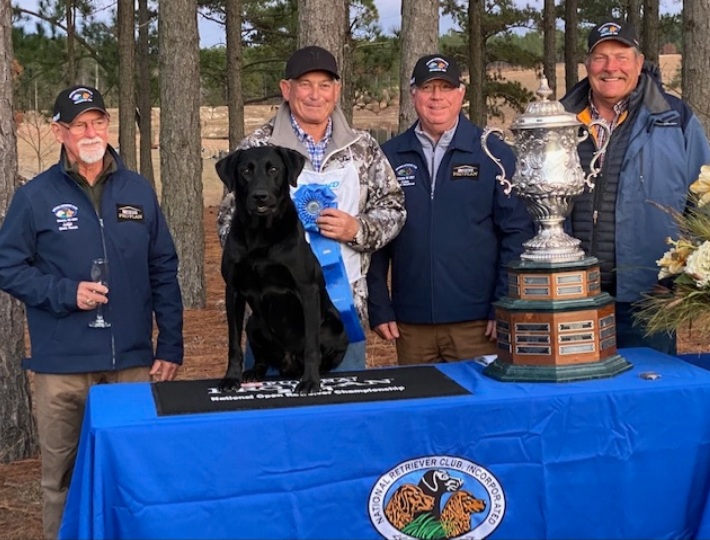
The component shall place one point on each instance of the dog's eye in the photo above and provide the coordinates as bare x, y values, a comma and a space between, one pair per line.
273, 170
245, 171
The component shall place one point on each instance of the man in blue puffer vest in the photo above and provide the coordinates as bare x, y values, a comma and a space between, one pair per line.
85, 207
449, 261
655, 152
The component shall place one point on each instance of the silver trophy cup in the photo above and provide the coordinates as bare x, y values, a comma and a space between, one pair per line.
548, 174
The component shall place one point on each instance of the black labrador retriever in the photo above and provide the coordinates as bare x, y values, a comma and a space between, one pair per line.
267, 263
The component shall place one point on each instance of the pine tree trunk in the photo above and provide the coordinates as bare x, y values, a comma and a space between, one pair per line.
633, 15
571, 37
320, 22
649, 37
347, 97
696, 44
419, 36
17, 429
126, 90
477, 110
72, 70
180, 149
144, 101
235, 99
550, 45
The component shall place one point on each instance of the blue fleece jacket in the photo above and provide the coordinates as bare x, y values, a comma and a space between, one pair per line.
448, 262
49, 237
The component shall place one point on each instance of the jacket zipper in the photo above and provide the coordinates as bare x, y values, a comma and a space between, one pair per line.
103, 247
433, 177
431, 229
598, 192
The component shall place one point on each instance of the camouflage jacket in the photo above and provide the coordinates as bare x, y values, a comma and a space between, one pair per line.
382, 212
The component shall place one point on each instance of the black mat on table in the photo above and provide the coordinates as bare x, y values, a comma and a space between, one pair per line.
201, 396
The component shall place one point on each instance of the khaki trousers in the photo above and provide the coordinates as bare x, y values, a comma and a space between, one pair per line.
431, 343
60, 411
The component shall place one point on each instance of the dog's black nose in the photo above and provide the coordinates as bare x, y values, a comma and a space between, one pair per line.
260, 195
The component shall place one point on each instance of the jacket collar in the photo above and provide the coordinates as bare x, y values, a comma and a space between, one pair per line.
648, 92
283, 134
465, 131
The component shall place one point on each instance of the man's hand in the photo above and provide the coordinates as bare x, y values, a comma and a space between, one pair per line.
491, 332
338, 225
163, 370
388, 330
90, 293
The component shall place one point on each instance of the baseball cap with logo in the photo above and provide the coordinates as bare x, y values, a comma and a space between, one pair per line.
310, 59
435, 66
612, 31
75, 100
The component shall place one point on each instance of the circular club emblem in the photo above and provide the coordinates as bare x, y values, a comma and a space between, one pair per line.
437, 497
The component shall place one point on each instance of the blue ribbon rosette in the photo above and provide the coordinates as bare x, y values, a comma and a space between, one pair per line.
310, 201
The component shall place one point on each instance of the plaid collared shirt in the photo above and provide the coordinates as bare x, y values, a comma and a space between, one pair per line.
316, 150
621, 111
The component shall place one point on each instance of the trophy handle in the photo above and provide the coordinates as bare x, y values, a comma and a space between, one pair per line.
507, 185
593, 169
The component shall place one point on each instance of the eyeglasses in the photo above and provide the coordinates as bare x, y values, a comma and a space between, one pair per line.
99, 124
445, 87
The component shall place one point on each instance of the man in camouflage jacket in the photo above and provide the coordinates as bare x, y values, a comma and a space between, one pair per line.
370, 211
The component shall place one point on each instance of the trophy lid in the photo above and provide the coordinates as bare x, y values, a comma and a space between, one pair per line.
544, 113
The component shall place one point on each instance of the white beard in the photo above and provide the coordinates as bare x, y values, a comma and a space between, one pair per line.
90, 152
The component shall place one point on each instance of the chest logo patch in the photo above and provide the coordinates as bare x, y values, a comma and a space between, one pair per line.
405, 174
66, 215
465, 171
129, 212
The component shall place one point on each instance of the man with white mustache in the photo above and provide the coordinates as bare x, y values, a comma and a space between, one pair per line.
85, 207
656, 149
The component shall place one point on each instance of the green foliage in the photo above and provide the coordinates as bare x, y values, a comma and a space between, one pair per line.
501, 92
376, 64
687, 301
213, 70
524, 51
509, 40
269, 35
43, 53
40, 80
425, 527
671, 30
600, 11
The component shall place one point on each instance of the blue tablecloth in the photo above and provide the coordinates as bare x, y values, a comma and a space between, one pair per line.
625, 457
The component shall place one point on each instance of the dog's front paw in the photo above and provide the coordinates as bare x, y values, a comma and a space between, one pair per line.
229, 384
307, 386
256, 374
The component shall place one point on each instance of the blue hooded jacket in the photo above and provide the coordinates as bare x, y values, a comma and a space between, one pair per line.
50, 236
666, 148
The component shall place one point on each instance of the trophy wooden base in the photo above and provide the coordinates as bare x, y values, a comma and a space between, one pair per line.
603, 369
555, 325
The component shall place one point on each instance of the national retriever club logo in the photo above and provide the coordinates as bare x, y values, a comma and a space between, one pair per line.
66, 215
437, 64
436, 498
609, 29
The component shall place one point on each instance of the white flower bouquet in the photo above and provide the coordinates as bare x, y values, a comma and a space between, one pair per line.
684, 268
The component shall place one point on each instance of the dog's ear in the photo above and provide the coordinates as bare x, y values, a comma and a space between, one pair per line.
227, 170
294, 162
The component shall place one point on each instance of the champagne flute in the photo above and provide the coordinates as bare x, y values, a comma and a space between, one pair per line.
99, 274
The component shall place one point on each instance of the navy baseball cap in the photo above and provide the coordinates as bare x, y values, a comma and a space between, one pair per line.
608, 31
75, 100
435, 66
